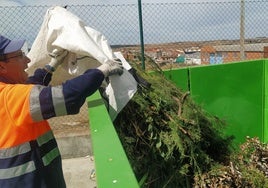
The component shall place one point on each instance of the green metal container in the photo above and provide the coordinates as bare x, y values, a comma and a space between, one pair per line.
235, 92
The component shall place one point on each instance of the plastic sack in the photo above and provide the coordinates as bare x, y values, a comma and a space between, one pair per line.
87, 48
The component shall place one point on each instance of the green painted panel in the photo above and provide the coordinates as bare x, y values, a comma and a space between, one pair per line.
111, 163
265, 98
179, 77
234, 92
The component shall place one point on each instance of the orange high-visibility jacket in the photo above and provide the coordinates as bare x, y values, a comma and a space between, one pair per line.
29, 155
28, 149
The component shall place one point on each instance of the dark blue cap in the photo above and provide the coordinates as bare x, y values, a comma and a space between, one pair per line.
8, 46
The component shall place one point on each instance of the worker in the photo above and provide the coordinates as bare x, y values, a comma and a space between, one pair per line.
29, 155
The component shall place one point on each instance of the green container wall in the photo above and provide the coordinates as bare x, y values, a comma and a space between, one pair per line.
179, 77
235, 92
111, 163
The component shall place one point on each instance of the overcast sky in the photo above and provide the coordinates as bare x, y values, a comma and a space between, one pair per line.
191, 20
86, 2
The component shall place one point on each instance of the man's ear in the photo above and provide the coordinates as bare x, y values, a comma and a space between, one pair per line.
3, 68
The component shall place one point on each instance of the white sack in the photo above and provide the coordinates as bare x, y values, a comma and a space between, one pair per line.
63, 30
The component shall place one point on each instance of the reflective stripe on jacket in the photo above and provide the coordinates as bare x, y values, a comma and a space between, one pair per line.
25, 163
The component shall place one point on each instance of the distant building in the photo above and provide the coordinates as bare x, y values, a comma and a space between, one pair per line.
230, 53
192, 57
180, 58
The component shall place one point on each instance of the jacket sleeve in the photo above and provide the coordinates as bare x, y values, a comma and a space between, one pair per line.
51, 101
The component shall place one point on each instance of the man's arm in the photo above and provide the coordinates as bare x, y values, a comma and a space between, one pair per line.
40, 77
52, 101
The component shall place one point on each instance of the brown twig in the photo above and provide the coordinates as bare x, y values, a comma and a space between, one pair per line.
181, 102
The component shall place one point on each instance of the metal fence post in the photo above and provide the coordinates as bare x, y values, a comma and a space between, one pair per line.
141, 34
242, 29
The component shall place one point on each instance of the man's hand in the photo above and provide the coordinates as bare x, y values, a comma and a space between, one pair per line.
111, 68
57, 57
